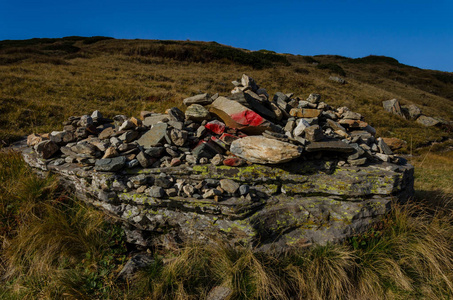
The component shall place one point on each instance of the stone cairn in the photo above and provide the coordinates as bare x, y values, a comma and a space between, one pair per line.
271, 172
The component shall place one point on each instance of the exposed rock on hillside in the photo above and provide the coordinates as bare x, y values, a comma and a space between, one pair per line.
268, 171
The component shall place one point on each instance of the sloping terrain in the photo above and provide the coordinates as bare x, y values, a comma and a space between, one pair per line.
43, 81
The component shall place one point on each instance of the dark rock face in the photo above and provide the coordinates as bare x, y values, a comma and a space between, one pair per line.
297, 203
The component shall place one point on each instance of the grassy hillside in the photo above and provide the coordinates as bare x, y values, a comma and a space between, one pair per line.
54, 247
44, 81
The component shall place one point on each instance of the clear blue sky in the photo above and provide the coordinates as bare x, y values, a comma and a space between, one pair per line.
418, 33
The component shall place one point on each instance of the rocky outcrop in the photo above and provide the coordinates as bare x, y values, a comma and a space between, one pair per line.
268, 172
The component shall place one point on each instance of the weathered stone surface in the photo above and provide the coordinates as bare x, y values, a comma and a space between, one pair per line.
154, 119
135, 264
219, 293
314, 98
197, 113
229, 186
305, 112
106, 133
335, 146
313, 133
258, 149
393, 106
411, 111
394, 143
427, 121
154, 136
337, 79
46, 149
305, 201
34, 139
201, 99
110, 164
236, 115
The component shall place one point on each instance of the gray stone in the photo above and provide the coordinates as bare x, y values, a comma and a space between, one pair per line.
155, 119
106, 133
350, 115
411, 111
85, 121
126, 125
110, 164
201, 99
211, 193
155, 151
178, 137
189, 190
154, 136
302, 124
313, 133
314, 98
197, 113
175, 114
334, 146
96, 115
128, 136
156, 192
217, 160
383, 148
135, 264
262, 150
219, 293
133, 163
62, 137
279, 97
248, 81
84, 147
229, 186
163, 182
46, 149
393, 106
337, 79
244, 189
427, 121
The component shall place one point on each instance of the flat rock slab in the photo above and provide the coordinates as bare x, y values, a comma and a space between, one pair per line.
154, 136
295, 204
334, 146
110, 164
262, 150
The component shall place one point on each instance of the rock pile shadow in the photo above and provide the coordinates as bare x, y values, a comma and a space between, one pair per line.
268, 172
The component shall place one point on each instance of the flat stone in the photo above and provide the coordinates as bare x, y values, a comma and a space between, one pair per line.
110, 152
106, 133
155, 119
219, 293
178, 137
248, 81
427, 121
110, 164
201, 99
334, 146
154, 136
337, 79
395, 143
350, 115
262, 150
135, 264
197, 113
128, 136
144, 114
305, 112
229, 186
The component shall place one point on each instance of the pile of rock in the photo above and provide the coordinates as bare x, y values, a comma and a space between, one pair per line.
248, 126
246, 168
410, 112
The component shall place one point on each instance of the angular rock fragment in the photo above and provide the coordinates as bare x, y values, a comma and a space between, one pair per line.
154, 136
235, 115
155, 119
427, 121
262, 150
229, 186
393, 106
305, 112
197, 113
201, 99
46, 149
110, 164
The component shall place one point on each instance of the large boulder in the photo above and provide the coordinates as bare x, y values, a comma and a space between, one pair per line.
393, 106
262, 150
